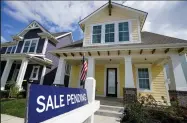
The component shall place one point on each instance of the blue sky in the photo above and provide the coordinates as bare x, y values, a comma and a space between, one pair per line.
166, 18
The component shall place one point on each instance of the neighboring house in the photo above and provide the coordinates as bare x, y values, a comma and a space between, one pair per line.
121, 57
26, 57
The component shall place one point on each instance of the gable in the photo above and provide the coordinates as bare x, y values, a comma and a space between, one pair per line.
118, 12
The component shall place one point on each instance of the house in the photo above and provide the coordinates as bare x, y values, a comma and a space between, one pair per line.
124, 60
26, 57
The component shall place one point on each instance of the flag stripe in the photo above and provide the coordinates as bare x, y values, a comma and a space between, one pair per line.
83, 71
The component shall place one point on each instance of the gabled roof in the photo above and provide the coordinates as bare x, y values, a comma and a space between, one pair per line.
148, 38
115, 4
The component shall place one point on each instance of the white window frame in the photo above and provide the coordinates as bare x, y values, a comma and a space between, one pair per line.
37, 73
11, 49
30, 40
7, 50
123, 31
116, 31
137, 66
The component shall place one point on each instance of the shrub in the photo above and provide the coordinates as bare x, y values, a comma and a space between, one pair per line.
14, 90
4, 94
148, 110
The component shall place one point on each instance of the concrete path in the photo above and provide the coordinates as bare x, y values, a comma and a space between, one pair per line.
11, 119
97, 119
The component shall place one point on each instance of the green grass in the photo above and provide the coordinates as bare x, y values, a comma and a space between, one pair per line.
14, 107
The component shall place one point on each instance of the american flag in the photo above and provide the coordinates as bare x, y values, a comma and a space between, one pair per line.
83, 71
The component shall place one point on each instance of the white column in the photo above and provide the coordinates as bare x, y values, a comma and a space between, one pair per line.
91, 67
45, 46
179, 77
59, 78
129, 80
5, 74
22, 71
171, 85
43, 75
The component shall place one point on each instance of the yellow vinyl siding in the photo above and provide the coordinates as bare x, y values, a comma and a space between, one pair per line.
122, 78
158, 83
75, 70
118, 14
99, 77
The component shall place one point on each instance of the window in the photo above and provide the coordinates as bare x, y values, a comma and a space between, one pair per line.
96, 37
30, 46
123, 31
109, 33
13, 49
8, 50
67, 75
67, 69
143, 78
35, 72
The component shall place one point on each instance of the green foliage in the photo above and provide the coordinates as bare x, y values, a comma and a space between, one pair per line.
148, 110
14, 90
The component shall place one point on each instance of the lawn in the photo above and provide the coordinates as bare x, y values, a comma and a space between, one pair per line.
15, 107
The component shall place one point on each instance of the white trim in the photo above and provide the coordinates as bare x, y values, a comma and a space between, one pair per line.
45, 46
166, 85
16, 47
118, 78
38, 69
115, 4
42, 75
30, 40
150, 77
62, 35
139, 30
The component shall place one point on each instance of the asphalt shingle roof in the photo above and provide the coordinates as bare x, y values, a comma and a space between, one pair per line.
148, 38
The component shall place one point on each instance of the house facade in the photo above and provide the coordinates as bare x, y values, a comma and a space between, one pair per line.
26, 57
124, 60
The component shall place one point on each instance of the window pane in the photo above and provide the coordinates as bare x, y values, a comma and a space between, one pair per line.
109, 33
96, 38
109, 37
25, 49
34, 75
143, 75
13, 49
27, 43
33, 45
35, 70
123, 26
97, 29
9, 50
123, 36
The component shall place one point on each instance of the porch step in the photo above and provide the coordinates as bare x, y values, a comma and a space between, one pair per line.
110, 111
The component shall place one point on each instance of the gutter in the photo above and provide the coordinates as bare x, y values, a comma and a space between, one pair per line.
132, 47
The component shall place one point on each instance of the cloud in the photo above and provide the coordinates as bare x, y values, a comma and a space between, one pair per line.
3, 39
164, 17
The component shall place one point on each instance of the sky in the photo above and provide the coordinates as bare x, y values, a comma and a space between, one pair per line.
164, 17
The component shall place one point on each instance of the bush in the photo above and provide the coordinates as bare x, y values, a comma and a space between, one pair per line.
14, 90
4, 94
147, 110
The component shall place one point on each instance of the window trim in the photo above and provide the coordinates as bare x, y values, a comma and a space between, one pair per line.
31, 40
123, 31
11, 49
97, 34
116, 36
37, 73
137, 66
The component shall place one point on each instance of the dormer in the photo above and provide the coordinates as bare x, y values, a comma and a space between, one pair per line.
113, 24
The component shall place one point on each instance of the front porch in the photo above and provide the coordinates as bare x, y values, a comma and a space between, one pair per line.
19, 69
124, 73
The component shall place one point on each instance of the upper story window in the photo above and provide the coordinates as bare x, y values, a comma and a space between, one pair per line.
123, 31
109, 33
30, 45
11, 50
96, 36
113, 32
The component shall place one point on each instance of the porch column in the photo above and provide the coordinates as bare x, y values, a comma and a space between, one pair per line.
21, 73
59, 78
5, 74
178, 86
43, 75
129, 91
91, 67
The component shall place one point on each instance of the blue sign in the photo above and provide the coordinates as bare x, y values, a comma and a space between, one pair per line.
46, 102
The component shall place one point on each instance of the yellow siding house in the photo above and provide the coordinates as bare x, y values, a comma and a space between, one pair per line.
124, 60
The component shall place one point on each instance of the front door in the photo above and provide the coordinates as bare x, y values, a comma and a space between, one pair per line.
111, 82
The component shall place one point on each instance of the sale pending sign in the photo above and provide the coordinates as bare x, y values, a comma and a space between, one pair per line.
45, 102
